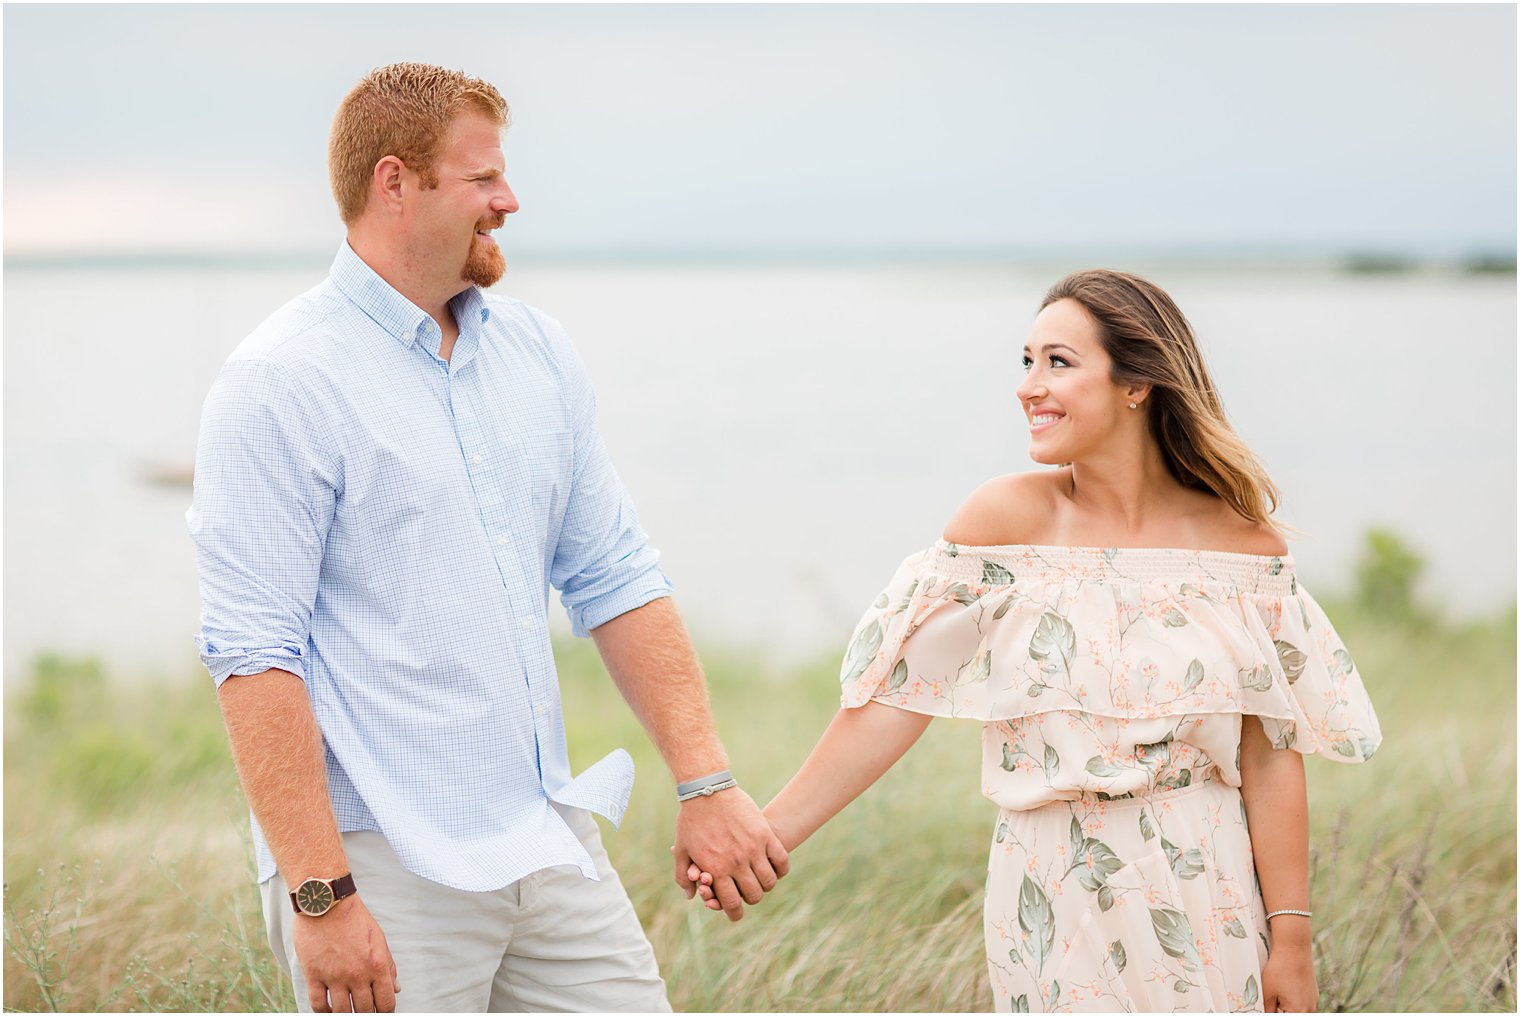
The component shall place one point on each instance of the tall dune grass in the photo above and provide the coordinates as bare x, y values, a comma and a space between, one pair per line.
129, 876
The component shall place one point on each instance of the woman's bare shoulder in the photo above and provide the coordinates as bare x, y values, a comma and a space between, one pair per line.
1009, 509
1237, 535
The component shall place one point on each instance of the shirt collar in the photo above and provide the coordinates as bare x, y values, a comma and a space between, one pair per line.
393, 312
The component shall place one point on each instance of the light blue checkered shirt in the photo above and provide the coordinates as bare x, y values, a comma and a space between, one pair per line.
386, 525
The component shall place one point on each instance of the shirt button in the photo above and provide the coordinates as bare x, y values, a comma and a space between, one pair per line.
527, 622
475, 459
501, 541
543, 711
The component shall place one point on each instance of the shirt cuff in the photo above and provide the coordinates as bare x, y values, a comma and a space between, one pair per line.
227, 659
597, 612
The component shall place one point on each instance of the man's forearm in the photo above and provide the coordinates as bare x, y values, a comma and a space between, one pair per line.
651, 659
277, 748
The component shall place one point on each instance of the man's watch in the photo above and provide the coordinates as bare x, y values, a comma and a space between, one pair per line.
316, 896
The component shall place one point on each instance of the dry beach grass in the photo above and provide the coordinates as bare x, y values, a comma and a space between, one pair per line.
128, 872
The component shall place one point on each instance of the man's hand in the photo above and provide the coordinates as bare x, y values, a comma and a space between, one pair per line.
725, 834
344, 957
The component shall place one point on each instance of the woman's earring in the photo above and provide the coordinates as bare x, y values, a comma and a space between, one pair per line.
1134, 405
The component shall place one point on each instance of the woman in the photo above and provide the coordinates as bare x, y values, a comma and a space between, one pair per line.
1129, 629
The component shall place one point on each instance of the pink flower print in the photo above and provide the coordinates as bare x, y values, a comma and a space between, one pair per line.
1273, 618
1149, 671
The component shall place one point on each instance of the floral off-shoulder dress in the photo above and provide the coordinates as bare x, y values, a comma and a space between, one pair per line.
1112, 685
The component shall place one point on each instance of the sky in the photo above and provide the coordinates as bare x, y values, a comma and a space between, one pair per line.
761, 130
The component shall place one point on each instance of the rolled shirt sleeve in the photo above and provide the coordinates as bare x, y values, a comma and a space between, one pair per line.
603, 564
264, 496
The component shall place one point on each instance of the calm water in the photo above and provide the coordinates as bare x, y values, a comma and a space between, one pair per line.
789, 434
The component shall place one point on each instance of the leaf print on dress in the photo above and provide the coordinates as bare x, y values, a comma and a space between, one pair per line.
1194, 676
1155, 755
1233, 927
1175, 935
1052, 764
994, 574
1037, 920
961, 593
865, 647
1053, 637
908, 596
1101, 768
977, 670
1096, 862
1292, 658
1252, 994
1185, 863
1116, 954
899, 676
1258, 678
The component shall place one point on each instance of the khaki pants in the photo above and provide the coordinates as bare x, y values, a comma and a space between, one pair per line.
554, 941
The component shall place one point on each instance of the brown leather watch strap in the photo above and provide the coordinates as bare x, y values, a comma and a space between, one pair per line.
341, 886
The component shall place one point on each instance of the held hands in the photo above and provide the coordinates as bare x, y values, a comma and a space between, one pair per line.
346, 961
701, 882
726, 836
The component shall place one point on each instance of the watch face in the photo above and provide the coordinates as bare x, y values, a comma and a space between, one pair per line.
314, 897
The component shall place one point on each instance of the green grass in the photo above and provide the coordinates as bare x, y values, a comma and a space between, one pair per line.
129, 875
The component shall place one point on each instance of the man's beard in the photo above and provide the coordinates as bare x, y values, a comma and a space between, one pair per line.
485, 264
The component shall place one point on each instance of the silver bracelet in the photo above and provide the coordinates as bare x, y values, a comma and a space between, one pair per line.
1300, 913
706, 786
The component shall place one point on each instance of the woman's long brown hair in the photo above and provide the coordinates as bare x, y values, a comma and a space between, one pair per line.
1150, 342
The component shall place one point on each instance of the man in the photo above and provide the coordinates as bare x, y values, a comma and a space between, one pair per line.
392, 470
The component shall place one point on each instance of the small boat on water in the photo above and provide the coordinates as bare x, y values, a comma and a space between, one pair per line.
168, 476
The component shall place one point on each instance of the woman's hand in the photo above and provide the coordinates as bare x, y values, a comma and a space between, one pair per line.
703, 883
1287, 981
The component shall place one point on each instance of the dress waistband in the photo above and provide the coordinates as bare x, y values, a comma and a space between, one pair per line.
1201, 779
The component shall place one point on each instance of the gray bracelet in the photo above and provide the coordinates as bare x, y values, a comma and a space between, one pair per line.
706, 786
